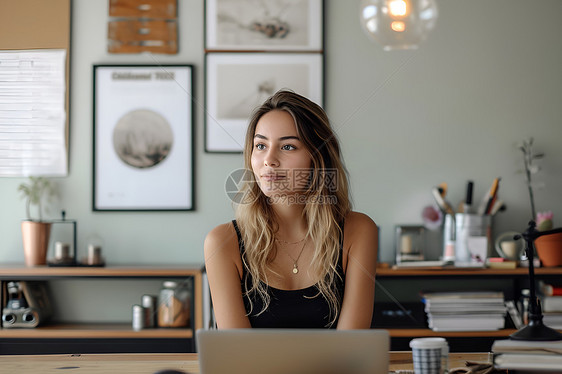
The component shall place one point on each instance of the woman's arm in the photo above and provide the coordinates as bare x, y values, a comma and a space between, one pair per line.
360, 244
224, 265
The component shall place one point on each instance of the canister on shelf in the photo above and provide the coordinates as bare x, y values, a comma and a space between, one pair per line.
174, 303
138, 317
149, 305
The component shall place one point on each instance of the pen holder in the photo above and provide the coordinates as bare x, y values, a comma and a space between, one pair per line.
470, 235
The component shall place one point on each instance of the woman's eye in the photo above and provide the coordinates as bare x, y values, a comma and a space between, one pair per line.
288, 147
260, 146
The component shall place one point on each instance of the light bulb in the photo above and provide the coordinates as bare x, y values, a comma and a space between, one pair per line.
397, 8
398, 24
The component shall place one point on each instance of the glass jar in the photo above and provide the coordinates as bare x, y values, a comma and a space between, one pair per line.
174, 303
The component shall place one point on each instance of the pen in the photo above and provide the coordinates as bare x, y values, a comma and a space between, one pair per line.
442, 189
443, 205
468, 200
493, 195
497, 207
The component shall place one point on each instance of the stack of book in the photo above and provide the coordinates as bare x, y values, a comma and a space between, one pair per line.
528, 355
551, 305
465, 311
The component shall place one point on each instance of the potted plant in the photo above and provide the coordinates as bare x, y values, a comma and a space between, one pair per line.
549, 246
36, 232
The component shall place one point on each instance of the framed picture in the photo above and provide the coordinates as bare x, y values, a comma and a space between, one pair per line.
257, 25
237, 83
143, 138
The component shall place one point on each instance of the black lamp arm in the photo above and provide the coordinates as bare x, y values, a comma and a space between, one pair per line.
535, 330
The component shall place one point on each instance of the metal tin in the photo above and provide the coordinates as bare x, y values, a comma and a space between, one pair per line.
149, 305
138, 317
463, 230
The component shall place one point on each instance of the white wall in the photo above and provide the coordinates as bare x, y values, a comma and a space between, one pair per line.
488, 76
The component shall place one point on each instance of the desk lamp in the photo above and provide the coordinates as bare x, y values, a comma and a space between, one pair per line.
535, 330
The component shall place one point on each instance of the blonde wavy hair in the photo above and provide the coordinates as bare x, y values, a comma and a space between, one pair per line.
326, 196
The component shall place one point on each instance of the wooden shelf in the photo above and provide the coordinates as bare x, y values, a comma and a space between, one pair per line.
117, 271
95, 330
433, 271
113, 271
406, 333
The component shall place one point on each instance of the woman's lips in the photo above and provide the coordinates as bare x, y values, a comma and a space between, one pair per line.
272, 177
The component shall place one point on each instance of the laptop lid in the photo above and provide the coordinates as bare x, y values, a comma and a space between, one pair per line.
303, 351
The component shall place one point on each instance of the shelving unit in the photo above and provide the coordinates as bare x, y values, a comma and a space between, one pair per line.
418, 279
95, 330
105, 334
460, 272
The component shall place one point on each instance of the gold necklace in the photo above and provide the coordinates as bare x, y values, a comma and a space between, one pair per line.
295, 262
290, 243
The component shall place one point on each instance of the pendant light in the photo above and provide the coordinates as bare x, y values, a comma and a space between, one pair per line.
398, 24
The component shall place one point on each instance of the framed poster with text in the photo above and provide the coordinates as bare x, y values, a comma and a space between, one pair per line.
143, 138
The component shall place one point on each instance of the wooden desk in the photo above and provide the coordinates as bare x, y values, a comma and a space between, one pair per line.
151, 363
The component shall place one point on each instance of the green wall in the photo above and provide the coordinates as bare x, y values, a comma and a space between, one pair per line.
488, 76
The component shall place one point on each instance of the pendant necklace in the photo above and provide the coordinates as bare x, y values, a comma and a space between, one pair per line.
295, 262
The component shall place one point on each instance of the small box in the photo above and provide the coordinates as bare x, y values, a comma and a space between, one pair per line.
409, 243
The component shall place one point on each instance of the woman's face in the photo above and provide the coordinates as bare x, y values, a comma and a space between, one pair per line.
280, 161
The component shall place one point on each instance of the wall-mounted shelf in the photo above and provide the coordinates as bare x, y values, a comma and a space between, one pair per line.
20, 272
103, 333
405, 285
435, 271
95, 330
405, 333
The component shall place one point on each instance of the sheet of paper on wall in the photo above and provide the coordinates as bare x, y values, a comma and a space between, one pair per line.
32, 113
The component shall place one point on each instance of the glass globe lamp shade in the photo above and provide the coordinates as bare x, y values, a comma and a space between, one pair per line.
398, 24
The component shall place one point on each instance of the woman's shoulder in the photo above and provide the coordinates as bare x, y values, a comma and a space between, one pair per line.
359, 226
221, 231
359, 221
222, 237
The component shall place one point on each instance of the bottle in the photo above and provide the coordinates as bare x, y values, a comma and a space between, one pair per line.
148, 302
174, 303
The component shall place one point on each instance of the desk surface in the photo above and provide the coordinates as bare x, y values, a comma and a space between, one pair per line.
151, 363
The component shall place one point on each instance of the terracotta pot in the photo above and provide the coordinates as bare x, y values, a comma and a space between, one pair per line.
549, 249
35, 237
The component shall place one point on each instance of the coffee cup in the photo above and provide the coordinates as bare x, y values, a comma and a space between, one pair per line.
507, 247
430, 355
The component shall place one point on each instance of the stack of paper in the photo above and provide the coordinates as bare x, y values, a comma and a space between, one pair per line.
551, 305
528, 355
465, 311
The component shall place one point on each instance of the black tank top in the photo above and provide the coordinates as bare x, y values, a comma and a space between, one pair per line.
304, 308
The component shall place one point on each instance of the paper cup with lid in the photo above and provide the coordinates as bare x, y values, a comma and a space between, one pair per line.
430, 355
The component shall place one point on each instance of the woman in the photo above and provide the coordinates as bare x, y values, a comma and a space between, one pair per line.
295, 245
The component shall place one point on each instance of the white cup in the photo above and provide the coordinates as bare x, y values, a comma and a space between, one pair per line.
430, 355
511, 249
507, 247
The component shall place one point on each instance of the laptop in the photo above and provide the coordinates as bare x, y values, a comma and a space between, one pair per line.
302, 351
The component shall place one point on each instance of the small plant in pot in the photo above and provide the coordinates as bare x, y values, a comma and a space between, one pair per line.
36, 232
549, 246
